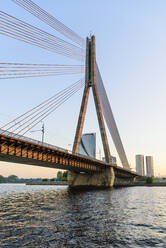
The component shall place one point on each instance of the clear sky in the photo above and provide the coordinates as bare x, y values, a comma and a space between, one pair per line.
131, 53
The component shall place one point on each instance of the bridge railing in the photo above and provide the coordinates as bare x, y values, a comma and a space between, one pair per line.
37, 142
21, 137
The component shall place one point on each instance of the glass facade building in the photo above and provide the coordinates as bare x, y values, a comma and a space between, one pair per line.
88, 145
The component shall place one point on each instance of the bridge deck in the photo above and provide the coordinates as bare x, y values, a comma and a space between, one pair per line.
20, 149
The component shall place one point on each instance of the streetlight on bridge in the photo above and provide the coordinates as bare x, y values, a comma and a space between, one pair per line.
42, 130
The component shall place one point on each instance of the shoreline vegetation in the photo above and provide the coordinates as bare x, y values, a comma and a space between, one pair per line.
149, 181
61, 179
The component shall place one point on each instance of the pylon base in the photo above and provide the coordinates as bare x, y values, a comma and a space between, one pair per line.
100, 180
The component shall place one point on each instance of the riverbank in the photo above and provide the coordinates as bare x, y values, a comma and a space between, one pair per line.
48, 183
154, 184
144, 184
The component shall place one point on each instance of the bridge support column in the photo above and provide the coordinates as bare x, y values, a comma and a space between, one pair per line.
104, 179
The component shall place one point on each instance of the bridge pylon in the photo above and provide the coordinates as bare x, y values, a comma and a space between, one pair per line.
90, 82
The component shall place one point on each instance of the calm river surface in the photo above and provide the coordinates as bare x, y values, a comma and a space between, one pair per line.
53, 216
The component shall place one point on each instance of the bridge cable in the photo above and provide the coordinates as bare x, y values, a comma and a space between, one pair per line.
27, 66
109, 118
33, 76
55, 107
15, 28
44, 16
30, 113
15, 22
34, 9
35, 41
28, 74
20, 70
45, 106
44, 103
48, 113
40, 40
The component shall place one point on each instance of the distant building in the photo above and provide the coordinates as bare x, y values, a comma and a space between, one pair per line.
140, 164
113, 159
88, 145
149, 166
103, 159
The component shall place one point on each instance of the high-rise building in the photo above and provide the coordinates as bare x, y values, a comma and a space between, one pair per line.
140, 164
88, 145
149, 166
113, 159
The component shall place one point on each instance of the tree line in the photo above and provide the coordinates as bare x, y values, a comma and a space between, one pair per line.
61, 176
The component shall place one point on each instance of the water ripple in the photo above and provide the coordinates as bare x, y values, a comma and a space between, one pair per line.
40, 217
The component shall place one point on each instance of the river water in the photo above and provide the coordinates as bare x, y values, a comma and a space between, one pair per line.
53, 216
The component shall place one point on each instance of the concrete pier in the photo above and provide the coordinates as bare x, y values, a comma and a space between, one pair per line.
111, 177
102, 180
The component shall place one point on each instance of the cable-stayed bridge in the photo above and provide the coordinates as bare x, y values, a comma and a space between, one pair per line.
16, 147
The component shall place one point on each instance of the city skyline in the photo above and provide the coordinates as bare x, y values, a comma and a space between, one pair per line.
131, 53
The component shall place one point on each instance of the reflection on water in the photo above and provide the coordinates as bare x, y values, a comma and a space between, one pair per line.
51, 216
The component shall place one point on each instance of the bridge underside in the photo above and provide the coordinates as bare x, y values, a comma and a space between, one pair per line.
84, 171
107, 178
21, 151
110, 177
